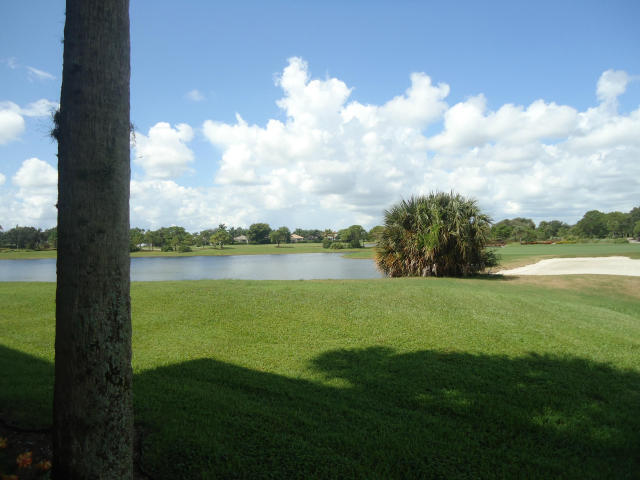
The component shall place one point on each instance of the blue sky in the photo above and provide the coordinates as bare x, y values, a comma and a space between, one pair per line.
344, 108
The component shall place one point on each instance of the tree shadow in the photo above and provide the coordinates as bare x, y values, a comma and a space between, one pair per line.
377, 413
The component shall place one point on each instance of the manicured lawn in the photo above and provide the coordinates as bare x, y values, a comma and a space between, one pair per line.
516, 255
269, 249
390, 378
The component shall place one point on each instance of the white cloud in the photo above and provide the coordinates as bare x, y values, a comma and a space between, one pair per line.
344, 160
40, 108
36, 74
37, 190
333, 161
11, 125
195, 95
611, 85
163, 152
2, 179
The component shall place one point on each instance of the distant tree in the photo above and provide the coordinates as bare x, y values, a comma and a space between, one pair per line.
259, 233
442, 234
312, 235
235, 232
549, 230
221, 236
593, 224
52, 237
281, 235
153, 238
634, 215
354, 235
136, 237
25, 237
618, 224
636, 230
375, 233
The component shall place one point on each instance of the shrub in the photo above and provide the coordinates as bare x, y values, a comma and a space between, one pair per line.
326, 242
184, 248
167, 248
442, 234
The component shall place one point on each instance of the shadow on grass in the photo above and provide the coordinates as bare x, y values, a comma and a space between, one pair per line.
382, 414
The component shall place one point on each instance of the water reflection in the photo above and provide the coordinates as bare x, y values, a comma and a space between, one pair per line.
306, 266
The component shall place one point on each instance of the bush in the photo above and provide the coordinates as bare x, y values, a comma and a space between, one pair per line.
167, 248
338, 245
326, 242
184, 248
619, 240
442, 234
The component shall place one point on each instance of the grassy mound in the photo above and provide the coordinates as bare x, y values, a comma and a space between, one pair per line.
401, 378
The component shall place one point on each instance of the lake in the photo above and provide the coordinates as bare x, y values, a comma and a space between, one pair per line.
307, 266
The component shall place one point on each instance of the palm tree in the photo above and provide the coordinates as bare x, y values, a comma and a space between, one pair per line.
93, 410
441, 234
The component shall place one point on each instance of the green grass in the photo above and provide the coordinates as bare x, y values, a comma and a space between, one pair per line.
269, 249
515, 255
390, 378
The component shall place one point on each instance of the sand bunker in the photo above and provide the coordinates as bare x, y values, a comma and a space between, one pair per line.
580, 266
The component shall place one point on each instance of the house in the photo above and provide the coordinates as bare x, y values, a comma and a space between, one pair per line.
296, 238
241, 239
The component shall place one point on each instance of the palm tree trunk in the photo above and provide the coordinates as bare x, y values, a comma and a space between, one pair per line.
93, 415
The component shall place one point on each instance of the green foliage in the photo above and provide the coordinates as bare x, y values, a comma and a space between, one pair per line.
593, 224
354, 235
184, 248
221, 236
281, 235
375, 233
442, 234
166, 248
339, 245
310, 236
259, 233
636, 230
25, 238
326, 242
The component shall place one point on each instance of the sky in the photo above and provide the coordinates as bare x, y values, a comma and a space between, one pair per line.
324, 114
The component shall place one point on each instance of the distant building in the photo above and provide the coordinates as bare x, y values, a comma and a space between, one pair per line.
296, 238
241, 239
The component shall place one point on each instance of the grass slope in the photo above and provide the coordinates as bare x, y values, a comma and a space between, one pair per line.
238, 249
391, 378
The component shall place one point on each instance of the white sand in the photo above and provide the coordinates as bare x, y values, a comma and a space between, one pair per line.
580, 266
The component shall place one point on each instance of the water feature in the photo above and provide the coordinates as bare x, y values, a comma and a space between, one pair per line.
305, 266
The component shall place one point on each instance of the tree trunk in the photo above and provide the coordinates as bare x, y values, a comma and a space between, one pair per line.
93, 414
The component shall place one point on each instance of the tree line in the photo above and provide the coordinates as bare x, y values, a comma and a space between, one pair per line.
594, 224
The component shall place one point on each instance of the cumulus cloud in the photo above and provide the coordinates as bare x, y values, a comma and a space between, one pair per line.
12, 123
37, 190
2, 179
195, 95
332, 161
163, 152
351, 160
611, 85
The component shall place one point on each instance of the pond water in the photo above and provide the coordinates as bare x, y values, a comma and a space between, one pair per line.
306, 266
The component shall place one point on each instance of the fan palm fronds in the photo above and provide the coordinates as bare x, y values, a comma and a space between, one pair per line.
441, 234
